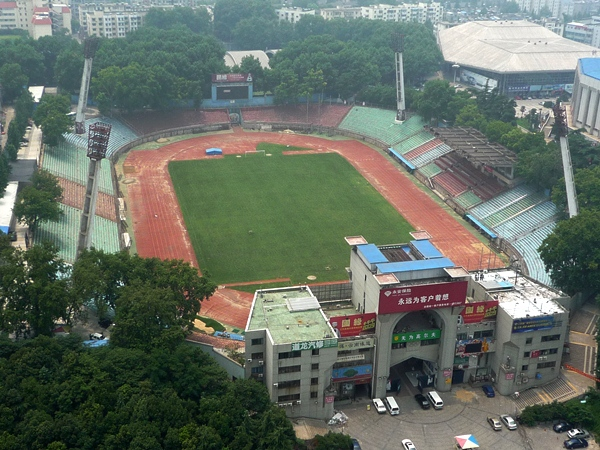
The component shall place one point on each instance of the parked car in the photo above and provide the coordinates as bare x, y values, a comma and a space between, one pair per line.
408, 445
379, 406
488, 390
508, 421
576, 443
495, 423
355, 444
422, 401
577, 433
562, 426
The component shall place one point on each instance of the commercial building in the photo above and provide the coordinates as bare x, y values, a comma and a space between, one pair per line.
586, 96
519, 58
412, 317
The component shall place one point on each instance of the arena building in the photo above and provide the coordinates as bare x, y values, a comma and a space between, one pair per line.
414, 320
520, 58
586, 96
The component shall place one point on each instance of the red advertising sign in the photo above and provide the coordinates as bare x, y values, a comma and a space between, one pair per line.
231, 78
534, 354
478, 312
354, 325
420, 297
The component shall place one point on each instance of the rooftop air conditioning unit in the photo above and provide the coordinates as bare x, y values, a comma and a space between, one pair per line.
260, 375
525, 380
299, 402
249, 360
261, 363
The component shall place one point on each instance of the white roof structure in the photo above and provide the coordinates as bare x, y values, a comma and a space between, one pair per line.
7, 203
235, 58
36, 92
510, 47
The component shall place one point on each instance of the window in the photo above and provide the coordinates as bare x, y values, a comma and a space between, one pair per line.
545, 365
257, 341
314, 395
549, 351
288, 398
314, 381
315, 351
344, 352
461, 336
290, 369
314, 366
525, 367
286, 355
528, 340
258, 369
288, 384
482, 334
551, 337
526, 355
258, 355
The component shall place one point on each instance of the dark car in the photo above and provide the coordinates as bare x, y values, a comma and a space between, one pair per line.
355, 444
562, 426
422, 401
488, 390
576, 443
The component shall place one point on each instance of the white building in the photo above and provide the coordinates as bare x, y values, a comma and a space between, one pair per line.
35, 16
293, 15
413, 319
41, 23
418, 12
585, 104
111, 20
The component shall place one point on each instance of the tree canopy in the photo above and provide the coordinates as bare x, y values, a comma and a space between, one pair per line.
51, 117
57, 394
38, 202
571, 253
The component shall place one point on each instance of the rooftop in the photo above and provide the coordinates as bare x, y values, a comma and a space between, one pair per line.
590, 67
519, 296
510, 47
290, 314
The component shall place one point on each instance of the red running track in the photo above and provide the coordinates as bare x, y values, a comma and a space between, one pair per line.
160, 231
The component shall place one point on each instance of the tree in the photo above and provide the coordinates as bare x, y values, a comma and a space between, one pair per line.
469, 116
39, 202
4, 171
13, 81
51, 117
34, 290
433, 101
587, 185
496, 129
571, 254
333, 441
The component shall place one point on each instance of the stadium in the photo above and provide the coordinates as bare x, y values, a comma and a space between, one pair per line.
520, 58
511, 219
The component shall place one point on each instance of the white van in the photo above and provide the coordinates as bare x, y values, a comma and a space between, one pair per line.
391, 405
435, 400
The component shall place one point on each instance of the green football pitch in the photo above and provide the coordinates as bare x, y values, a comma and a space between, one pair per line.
259, 217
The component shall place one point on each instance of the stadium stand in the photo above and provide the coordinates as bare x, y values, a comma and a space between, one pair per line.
64, 232
413, 141
513, 209
323, 115
450, 183
120, 135
501, 201
421, 149
153, 121
467, 200
431, 155
527, 221
71, 162
528, 248
380, 124
430, 170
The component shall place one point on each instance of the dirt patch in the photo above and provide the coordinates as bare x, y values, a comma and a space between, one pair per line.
199, 325
465, 396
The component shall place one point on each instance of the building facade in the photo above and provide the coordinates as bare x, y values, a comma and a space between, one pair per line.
110, 20
417, 12
293, 14
585, 103
414, 318
35, 16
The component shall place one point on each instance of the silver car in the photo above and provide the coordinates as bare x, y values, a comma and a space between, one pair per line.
508, 421
495, 423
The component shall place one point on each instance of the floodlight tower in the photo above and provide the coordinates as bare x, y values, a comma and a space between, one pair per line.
98, 136
398, 46
89, 51
562, 130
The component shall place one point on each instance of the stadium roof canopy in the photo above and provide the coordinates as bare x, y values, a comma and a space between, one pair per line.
590, 67
510, 47
235, 58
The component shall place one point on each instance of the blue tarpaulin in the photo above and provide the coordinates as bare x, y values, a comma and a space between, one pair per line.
214, 151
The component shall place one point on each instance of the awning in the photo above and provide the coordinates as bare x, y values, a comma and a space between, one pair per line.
466, 441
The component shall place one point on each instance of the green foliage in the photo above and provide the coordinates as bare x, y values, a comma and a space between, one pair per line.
333, 441
39, 201
587, 185
51, 117
583, 152
575, 412
434, 102
5, 170
34, 291
229, 13
381, 95
13, 81
57, 394
197, 20
571, 254
495, 106
211, 323
330, 200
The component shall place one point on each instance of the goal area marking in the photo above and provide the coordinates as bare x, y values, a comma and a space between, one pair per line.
254, 152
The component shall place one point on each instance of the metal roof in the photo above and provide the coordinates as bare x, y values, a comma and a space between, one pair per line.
371, 253
426, 249
510, 47
590, 67
409, 266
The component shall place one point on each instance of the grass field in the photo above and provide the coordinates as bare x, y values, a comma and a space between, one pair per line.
261, 217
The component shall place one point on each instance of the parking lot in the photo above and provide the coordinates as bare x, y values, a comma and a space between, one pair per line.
465, 412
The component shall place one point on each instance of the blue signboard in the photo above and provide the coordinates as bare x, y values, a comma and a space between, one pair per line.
532, 324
